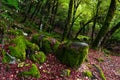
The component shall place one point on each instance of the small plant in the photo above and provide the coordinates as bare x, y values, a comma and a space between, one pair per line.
88, 73
66, 72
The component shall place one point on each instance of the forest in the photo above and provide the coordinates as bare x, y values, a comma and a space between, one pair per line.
59, 39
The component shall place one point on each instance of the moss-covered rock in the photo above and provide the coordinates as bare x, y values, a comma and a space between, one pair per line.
39, 57
18, 51
21, 44
50, 45
47, 44
72, 53
33, 72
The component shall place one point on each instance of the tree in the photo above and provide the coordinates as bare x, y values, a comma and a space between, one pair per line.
105, 27
68, 20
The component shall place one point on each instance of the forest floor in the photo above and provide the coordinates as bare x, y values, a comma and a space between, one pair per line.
52, 69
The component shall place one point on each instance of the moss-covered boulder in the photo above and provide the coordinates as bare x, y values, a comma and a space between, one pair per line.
72, 53
47, 44
18, 50
21, 44
38, 57
50, 45
32, 72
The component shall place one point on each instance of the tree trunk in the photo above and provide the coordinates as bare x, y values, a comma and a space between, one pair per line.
95, 21
76, 5
68, 20
105, 26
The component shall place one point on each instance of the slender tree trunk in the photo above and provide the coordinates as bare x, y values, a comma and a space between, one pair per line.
105, 26
95, 21
68, 20
76, 5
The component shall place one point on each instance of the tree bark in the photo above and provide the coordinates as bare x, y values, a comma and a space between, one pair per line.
68, 20
105, 27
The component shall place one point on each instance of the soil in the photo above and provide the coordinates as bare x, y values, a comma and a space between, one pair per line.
52, 69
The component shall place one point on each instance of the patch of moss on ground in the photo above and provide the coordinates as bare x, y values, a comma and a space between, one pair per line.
33, 72
39, 57
88, 73
100, 72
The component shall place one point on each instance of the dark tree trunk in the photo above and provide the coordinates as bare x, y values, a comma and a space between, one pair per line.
68, 20
95, 20
105, 26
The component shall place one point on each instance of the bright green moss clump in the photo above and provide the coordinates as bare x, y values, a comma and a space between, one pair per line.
39, 57
21, 44
47, 44
72, 53
33, 72
88, 73
19, 50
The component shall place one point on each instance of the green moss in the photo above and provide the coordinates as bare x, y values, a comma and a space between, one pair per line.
72, 55
50, 45
39, 57
19, 50
5, 58
88, 73
66, 72
35, 38
32, 46
21, 44
33, 72
47, 48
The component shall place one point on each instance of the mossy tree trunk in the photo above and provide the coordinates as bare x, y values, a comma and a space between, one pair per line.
95, 20
105, 27
68, 20
74, 17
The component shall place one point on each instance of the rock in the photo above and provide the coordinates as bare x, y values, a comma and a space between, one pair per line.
72, 53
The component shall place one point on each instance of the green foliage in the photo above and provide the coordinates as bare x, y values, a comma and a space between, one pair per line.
11, 3
39, 57
116, 36
88, 73
14, 32
83, 38
33, 72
